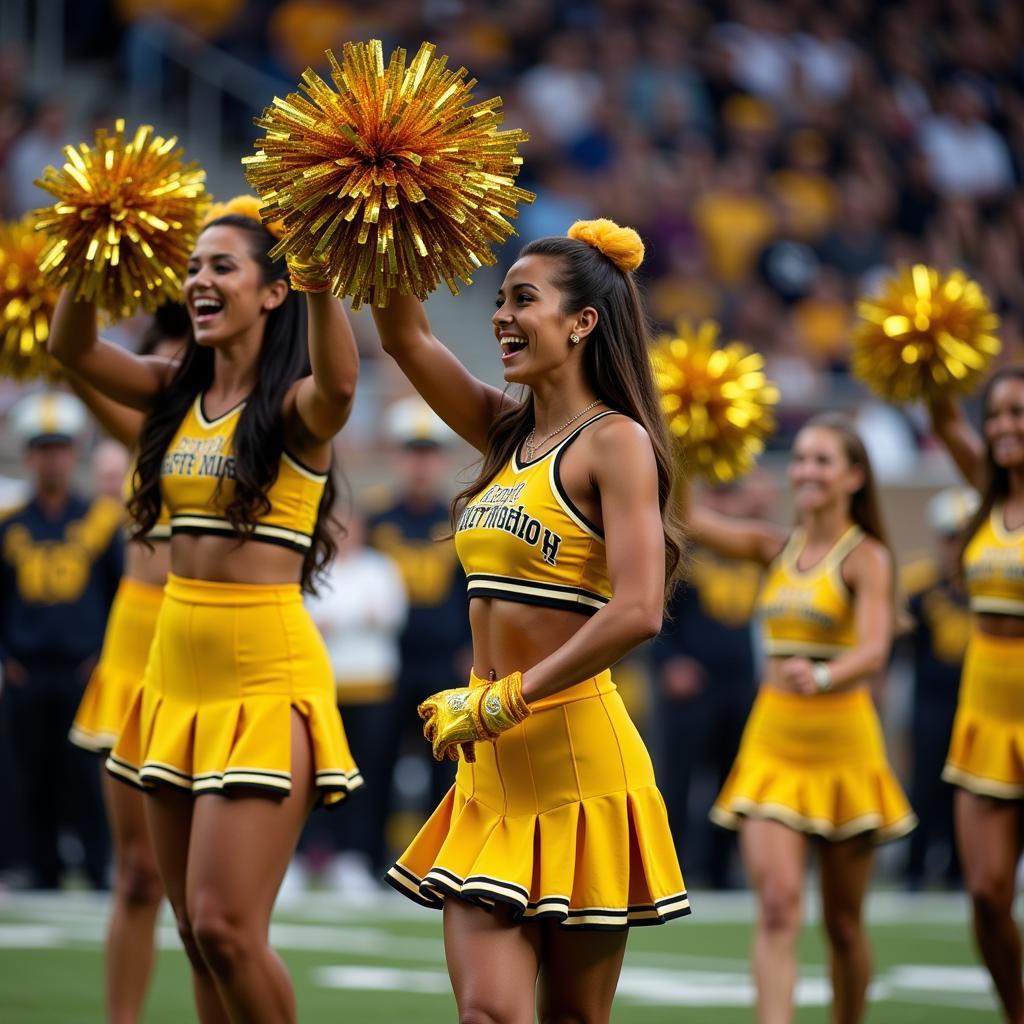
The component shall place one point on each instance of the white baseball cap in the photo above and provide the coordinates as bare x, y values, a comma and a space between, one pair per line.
950, 510
411, 423
47, 417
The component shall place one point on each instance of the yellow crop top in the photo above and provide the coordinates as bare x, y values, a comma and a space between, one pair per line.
200, 459
994, 567
522, 539
162, 528
808, 612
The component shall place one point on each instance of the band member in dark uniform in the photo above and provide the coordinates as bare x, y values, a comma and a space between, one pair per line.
941, 626
705, 682
60, 563
415, 531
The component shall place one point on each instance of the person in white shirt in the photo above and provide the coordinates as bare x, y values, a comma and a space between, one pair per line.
360, 611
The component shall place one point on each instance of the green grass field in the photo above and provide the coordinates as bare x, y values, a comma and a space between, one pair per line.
384, 962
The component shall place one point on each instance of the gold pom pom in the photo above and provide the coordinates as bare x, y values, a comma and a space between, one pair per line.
394, 179
242, 206
623, 246
126, 216
927, 333
717, 401
26, 304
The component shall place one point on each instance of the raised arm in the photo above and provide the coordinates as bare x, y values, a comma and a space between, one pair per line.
627, 479
466, 404
953, 429
320, 404
752, 540
128, 379
120, 422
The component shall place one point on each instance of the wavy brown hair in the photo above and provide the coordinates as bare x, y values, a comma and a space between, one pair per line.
617, 368
259, 436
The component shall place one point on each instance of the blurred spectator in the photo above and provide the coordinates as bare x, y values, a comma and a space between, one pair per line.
360, 611
941, 625
966, 155
61, 562
40, 147
563, 93
705, 681
109, 467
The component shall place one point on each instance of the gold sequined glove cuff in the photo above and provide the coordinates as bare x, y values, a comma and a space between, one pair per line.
503, 705
308, 275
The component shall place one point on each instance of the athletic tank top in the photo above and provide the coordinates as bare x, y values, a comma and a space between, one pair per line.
809, 612
162, 528
522, 539
994, 567
198, 483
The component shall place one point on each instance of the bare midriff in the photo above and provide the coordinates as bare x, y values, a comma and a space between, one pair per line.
147, 564
1010, 627
228, 560
509, 636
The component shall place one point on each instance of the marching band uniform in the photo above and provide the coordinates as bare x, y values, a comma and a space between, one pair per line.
560, 816
230, 660
58, 575
814, 763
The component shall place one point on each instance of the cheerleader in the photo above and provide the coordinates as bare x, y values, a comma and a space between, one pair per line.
812, 762
554, 838
137, 892
237, 703
986, 752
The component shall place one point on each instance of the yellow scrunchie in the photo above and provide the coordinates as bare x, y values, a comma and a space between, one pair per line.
243, 206
621, 245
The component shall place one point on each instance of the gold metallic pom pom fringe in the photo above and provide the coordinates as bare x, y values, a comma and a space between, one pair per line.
717, 400
126, 217
26, 304
396, 179
926, 334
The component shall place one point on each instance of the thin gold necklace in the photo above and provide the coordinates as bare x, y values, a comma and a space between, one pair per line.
530, 445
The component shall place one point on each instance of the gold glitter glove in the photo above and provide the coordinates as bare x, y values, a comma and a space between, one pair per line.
395, 175
454, 719
308, 275
926, 333
127, 214
716, 399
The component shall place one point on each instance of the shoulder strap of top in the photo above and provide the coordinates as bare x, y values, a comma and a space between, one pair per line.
790, 550
562, 445
846, 543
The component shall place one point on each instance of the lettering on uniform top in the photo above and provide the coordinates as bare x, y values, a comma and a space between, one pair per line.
511, 519
796, 603
995, 563
199, 456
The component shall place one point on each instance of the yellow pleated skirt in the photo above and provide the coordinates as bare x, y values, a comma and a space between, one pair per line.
118, 674
818, 765
228, 663
559, 818
986, 750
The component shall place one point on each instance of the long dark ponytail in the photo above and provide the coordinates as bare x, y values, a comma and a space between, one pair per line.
259, 437
616, 364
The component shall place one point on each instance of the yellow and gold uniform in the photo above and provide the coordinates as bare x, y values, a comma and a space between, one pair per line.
986, 752
560, 817
814, 763
230, 660
118, 673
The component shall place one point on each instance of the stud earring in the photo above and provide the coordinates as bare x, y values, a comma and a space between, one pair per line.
574, 338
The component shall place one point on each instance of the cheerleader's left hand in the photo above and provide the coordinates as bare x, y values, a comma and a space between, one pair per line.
454, 719
799, 676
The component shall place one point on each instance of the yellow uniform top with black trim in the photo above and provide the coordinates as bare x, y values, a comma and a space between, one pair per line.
522, 539
198, 483
994, 567
162, 527
809, 612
